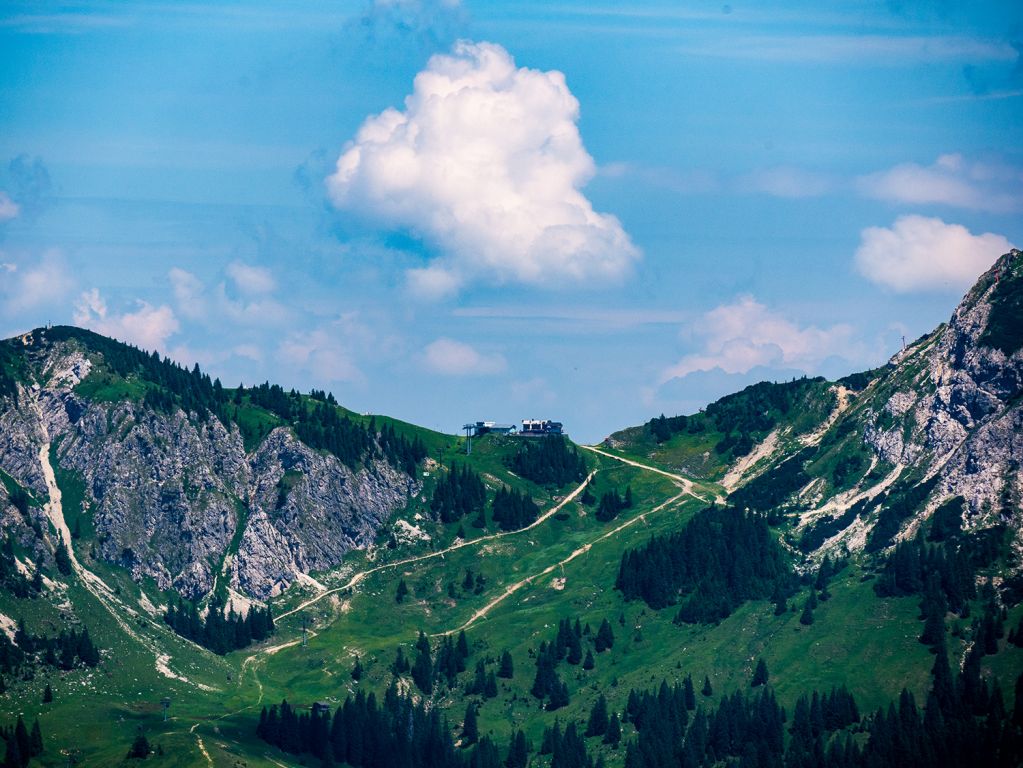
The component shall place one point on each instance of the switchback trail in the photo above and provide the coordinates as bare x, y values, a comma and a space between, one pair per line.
686, 483
440, 553
512, 588
682, 482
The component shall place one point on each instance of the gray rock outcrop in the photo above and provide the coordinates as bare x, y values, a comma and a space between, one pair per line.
956, 411
172, 494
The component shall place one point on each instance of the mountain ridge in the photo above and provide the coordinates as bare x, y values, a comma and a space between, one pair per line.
946, 410
879, 499
170, 492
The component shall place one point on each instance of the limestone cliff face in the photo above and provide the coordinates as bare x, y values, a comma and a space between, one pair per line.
955, 409
172, 494
163, 490
308, 510
946, 411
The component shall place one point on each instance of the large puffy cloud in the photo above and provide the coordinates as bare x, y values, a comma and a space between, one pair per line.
921, 253
738, 337
951, 180
455, 358
148, 327
486, 164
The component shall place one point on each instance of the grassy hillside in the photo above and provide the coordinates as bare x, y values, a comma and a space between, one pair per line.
564, 567
507, 590
706, 443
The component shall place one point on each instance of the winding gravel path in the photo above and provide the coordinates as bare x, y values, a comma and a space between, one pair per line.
440, 553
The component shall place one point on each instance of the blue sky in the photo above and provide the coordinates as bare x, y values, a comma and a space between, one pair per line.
450, 211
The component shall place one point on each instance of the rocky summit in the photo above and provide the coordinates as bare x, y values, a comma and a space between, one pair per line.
949, 405
941, 421
174, 494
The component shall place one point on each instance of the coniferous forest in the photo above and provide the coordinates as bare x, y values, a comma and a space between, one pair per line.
21, 745
460, 493
322, 426
217, 632
740, 417
720, 559
395, 733
964, 721
548, 460
513, 509
65, 650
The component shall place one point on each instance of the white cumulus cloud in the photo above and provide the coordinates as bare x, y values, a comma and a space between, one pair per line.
148, 327
951, 180
485, 163
745, 334
918, 253
455, 358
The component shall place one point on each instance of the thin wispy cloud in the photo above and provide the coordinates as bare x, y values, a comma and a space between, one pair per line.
950, 180
251, 280
788, 182
973, 97
26, 18
687, 182
866, 50
449, 357
67, 23
608, 318
323, 354
660, 21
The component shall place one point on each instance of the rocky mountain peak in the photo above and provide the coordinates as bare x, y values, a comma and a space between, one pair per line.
169, 489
